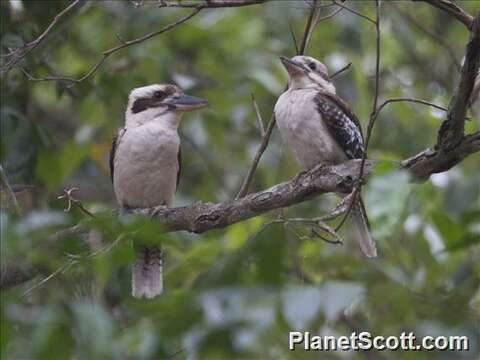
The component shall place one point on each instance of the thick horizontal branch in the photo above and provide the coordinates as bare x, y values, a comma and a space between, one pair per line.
436, 160
209, 3
453, 9
200, 217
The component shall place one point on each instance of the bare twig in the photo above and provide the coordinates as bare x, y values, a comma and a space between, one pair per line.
309, 27
18, 54
60, 270
107, 53
437, 38
453, 9
354, 12
7, 190
259, 116
13, 273
67, 195
263, 146
208, 3
338, 72
405, 99
74, 259
294, 38
373, 114
313, 226
331, 15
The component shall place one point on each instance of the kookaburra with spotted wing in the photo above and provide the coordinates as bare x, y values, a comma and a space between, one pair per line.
321, 129
145, 166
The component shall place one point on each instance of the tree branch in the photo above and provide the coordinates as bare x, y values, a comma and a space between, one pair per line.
200, 217
437, 38
209, 3
404, 99
452, 129
452, 9
354, 12
18, 54
373, 114
436, 160
107, 53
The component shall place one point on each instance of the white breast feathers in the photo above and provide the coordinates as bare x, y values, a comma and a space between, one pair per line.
304, 130
146, 166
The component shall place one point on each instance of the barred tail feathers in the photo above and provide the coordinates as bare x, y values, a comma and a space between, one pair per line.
361, 230
147, 274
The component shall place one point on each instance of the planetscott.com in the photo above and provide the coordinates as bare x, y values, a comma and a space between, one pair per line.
366, 341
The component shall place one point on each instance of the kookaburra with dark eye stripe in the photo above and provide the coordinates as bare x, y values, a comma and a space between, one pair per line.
145, 166
320, 128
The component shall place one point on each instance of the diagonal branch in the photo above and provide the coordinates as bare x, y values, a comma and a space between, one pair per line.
373, 114
453, 9
440, 40
18, 54
452, 129
412, 100
209, 3
354, 12
107, 53
200, 217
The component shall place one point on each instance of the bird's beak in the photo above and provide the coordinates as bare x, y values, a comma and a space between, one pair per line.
292, 67
187, 103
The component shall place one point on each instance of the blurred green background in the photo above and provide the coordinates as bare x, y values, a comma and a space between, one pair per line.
232, 293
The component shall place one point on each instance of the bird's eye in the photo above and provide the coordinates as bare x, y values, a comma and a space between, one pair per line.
159, 94
311, 65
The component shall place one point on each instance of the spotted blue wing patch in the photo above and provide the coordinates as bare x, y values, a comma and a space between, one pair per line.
342, 124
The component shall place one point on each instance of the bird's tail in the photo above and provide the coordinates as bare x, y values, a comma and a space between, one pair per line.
361, 230
147, 272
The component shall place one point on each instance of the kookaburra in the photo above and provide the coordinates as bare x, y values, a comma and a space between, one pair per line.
145, 166
321, 129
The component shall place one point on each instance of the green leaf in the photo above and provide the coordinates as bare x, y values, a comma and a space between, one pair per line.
450, 231
386, 200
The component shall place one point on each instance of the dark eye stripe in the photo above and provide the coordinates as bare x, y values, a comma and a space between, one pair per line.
143, 104
159, 94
